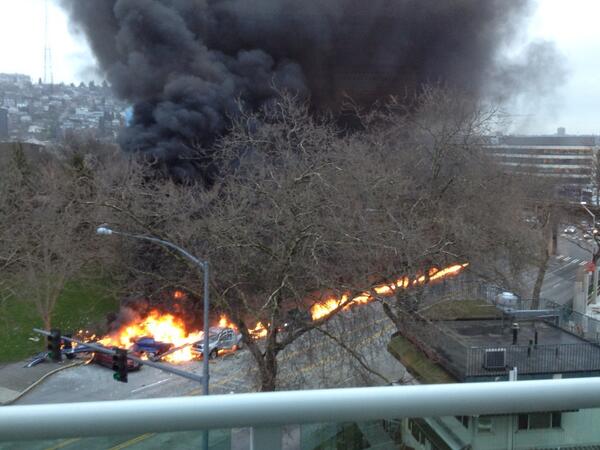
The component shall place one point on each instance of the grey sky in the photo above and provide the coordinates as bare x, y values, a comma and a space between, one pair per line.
572, 25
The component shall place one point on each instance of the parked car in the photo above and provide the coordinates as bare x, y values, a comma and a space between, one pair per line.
219, 338
570, 229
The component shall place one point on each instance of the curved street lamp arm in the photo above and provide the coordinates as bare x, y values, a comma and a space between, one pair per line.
195, 260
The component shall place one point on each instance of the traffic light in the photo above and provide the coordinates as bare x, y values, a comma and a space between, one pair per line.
54, 345
120, 364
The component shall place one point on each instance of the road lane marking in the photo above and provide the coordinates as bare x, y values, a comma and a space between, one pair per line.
150, 385
560, 257
64, 444
133, 441
568, 258
558, 269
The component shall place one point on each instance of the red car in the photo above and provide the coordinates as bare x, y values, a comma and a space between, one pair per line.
106, 360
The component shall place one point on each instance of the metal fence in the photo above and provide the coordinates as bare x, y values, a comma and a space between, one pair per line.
576, 323
469, 288
532, 359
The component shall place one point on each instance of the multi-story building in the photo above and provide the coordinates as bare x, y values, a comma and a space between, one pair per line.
569, 161
472, 351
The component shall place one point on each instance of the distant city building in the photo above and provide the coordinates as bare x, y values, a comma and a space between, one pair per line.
47, 112
3, 123
567, 160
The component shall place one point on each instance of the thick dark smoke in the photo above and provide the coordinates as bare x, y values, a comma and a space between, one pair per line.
184, 64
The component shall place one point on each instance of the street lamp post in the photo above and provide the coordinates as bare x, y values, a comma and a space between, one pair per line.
594, 253
106, 231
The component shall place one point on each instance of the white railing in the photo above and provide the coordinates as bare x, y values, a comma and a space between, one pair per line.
270, 411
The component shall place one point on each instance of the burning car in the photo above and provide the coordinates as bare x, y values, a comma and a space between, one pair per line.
219, 338
151, 347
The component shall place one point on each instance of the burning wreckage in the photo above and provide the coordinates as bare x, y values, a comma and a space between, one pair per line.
157, 336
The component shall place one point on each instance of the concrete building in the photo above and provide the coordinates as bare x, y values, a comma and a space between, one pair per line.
487, 350
569, 161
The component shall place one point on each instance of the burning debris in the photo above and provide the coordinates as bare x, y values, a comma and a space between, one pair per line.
326, 307
164, 335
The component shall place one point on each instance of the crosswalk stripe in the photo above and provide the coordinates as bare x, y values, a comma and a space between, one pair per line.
561, 257
568, 258
583, 263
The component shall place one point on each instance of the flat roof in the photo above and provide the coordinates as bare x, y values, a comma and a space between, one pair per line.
462, 347
490, 333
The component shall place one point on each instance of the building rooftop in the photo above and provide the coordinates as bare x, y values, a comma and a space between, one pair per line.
481, 349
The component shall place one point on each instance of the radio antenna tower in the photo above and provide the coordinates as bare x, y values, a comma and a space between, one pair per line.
48, 75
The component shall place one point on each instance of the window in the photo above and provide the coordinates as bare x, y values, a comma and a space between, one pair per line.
484, 423
538, 421
417, 432
464, 420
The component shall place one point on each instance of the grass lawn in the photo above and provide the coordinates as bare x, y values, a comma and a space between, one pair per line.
421, 367
83, 305
461, 310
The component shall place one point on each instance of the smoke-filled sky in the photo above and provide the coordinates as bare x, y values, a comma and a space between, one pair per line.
570, 25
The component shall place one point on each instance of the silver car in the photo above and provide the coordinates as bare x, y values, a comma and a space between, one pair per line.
219, 338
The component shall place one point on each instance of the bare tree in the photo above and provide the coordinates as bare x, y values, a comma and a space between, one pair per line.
42, 227
302, 214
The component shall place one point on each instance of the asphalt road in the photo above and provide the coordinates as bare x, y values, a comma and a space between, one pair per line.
573, 253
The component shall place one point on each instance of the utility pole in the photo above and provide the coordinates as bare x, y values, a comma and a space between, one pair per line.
48, 74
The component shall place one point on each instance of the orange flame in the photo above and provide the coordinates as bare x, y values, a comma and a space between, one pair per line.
259, 331
161, 327
170, 329
224, 322
323, 309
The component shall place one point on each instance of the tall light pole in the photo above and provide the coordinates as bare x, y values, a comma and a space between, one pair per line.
595, 249
106, 231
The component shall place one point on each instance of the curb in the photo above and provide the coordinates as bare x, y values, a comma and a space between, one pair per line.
17, 395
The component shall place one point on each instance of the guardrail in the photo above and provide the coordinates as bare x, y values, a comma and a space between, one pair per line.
536, 359
268, 412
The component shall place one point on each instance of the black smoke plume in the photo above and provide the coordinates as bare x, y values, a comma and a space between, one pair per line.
184, 64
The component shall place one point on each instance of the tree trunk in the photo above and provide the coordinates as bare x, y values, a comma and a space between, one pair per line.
539, 281
47, 321
268, 372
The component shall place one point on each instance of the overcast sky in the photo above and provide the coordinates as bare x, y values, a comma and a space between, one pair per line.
571, 24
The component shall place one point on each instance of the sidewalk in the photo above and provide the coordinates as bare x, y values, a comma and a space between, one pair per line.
16, 379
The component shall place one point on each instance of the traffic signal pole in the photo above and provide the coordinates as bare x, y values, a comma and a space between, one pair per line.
108, 351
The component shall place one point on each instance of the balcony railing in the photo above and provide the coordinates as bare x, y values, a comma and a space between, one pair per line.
267, 413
